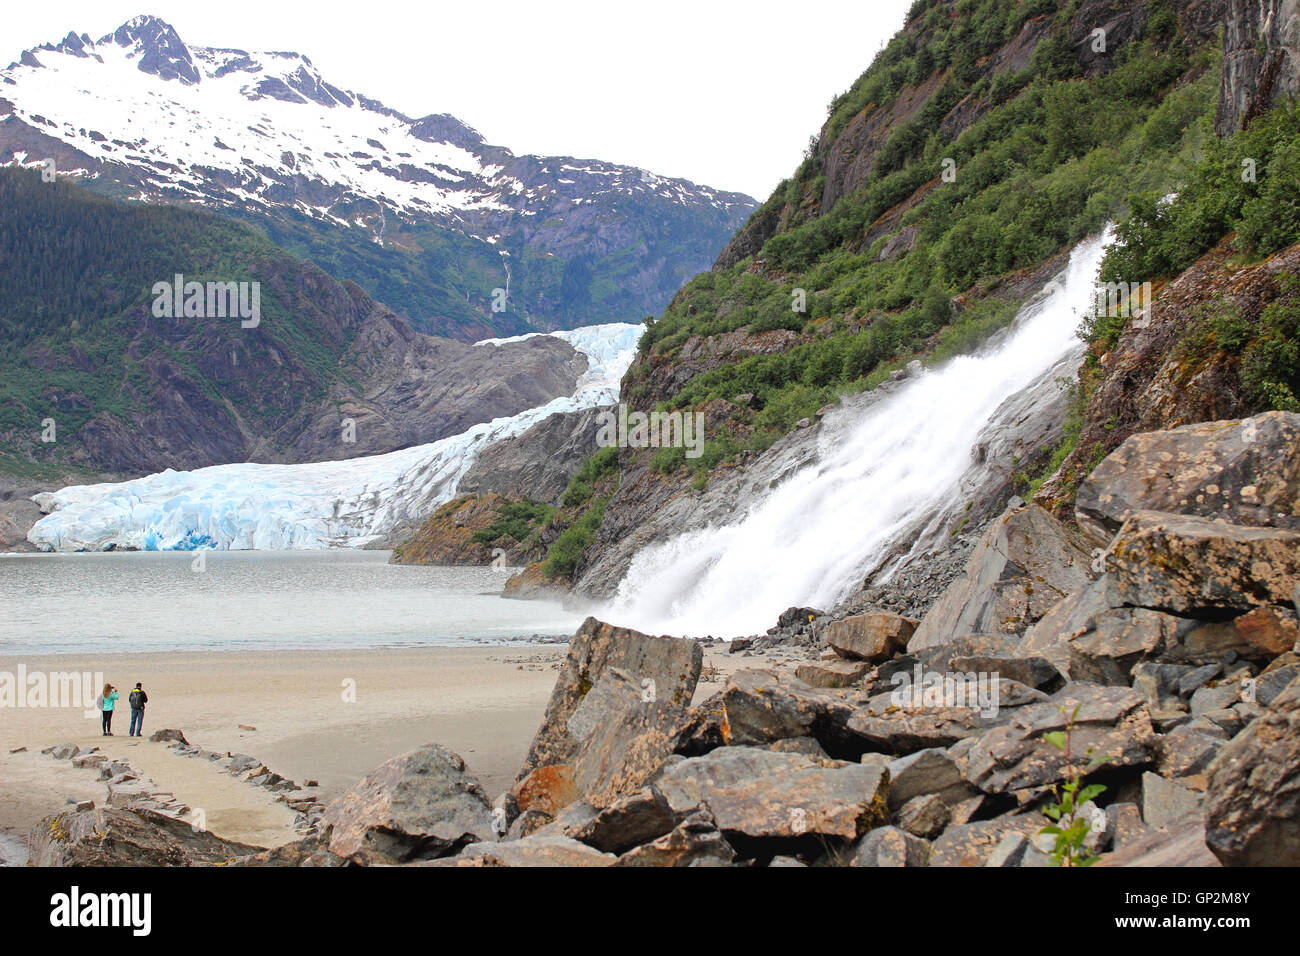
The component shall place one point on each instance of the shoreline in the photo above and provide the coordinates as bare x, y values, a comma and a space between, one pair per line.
483, 702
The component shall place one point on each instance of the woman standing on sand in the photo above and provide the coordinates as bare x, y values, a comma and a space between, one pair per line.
109, 699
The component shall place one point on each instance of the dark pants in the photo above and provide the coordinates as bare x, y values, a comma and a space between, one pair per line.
137, 722
108, 721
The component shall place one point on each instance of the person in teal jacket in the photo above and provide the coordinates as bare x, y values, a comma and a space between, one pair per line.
109, 699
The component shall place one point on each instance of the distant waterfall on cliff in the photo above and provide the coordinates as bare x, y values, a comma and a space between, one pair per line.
883, 474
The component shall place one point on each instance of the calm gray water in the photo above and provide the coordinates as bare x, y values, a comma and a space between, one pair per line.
152, 601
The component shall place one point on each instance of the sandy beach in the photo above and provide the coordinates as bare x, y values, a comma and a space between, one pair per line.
485, 703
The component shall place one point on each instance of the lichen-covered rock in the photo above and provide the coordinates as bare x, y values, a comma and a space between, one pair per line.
696, 841
761, 707
1246, 472
1182, 563
1112, 722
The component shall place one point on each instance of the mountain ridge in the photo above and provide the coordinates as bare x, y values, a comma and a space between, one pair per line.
361, 189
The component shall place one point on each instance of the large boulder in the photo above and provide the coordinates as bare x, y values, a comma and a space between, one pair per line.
1253, 802
624, 734
418, 806
1245, 472
1024, 564
759, 794
110, 837
875, 636
1183, 563
667, 668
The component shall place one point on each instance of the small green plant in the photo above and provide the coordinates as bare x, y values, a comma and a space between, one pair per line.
1070, 827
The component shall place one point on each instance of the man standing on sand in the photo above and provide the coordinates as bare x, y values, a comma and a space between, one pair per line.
137, 699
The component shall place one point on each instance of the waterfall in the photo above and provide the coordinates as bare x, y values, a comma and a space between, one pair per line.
885, 474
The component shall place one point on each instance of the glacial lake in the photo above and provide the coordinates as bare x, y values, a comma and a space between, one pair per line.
263, 600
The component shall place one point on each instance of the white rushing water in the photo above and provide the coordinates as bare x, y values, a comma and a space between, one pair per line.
308, 506
880, 474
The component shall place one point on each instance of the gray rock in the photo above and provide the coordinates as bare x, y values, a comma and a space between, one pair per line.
930, 771
889, 846
1181, 844
696, 841
1124, 826
1164, 801
760, 794
1245, 472
1218, 697
632, 820
1112, 722
1253, 803
420, 805
923, 816
163, 736
1184, 752
1036, 672
1015, 850
1024, 564
1270, 684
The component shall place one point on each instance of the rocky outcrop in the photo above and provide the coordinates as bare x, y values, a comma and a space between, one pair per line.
1261, 60
539, 463
447, 536
1152, 380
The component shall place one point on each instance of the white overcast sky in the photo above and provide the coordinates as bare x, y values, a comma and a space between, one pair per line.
722, 92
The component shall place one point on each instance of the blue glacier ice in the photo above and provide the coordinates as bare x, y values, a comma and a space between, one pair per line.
309, 506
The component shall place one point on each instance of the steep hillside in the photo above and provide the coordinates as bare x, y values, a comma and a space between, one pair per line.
420, 212
129, 392
944, 188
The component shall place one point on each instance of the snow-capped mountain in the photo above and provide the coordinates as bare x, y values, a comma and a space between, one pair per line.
141, 114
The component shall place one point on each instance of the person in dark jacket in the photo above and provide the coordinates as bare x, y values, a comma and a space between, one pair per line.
137, 699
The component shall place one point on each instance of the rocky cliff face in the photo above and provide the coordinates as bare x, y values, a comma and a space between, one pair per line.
1261, 60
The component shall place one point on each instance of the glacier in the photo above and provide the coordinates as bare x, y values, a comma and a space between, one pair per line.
330, 504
